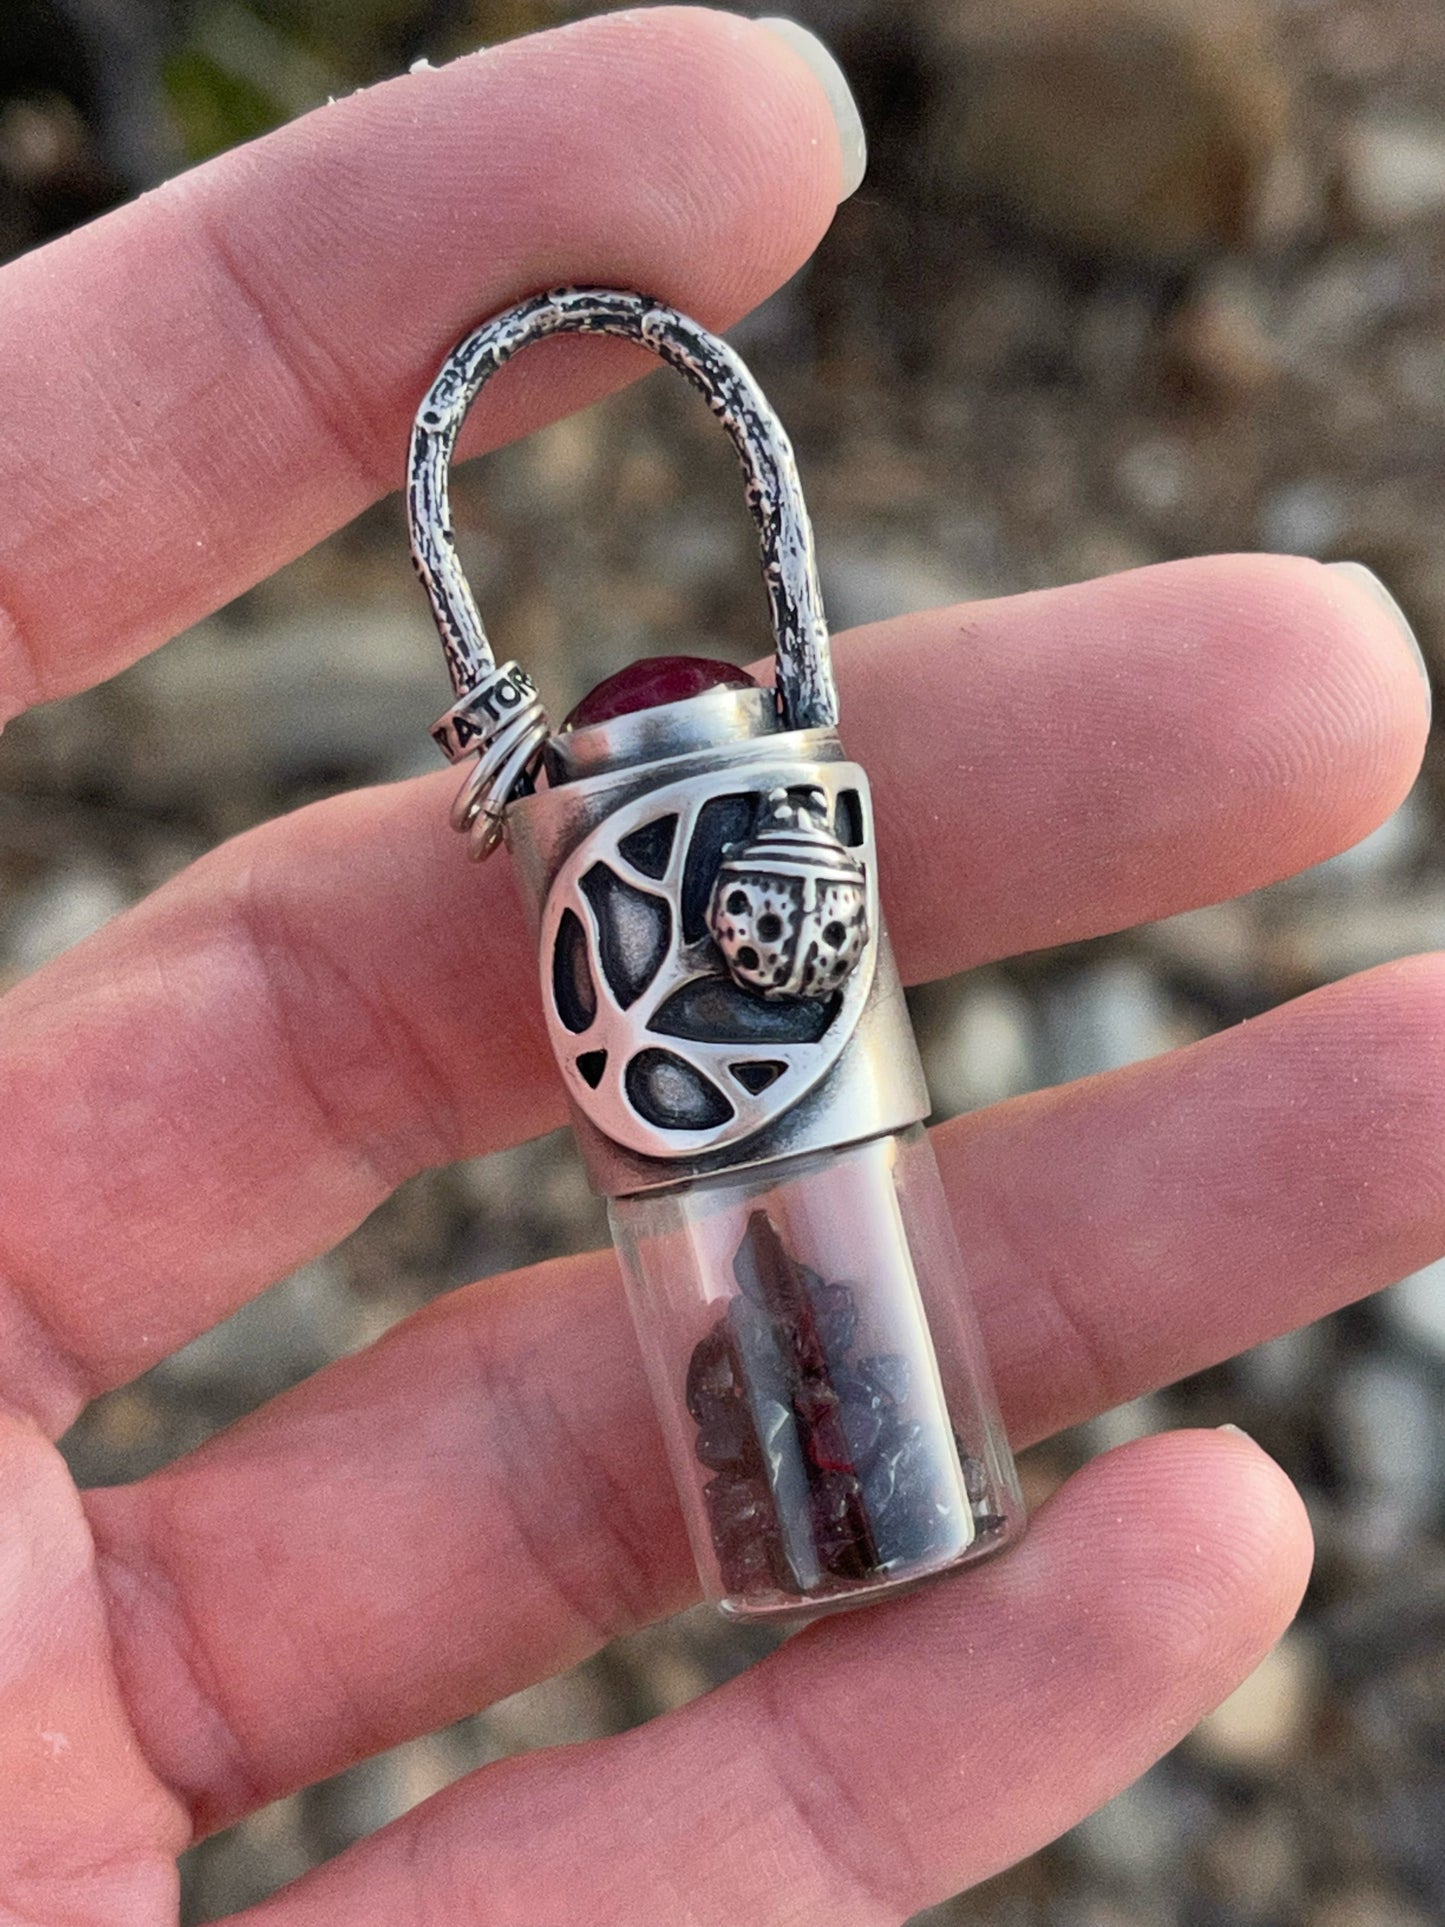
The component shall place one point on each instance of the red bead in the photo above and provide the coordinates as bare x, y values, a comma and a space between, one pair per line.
653, 681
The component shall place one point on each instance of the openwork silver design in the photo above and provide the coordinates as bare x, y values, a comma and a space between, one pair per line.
662, 1048
510, 753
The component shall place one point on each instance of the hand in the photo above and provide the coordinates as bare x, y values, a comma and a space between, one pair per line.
222, 1083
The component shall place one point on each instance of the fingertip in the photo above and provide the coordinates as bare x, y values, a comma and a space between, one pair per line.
1381, 596
1362, 648
1275, 1526
1210, 1551
1315, 683
733, 127
825, 70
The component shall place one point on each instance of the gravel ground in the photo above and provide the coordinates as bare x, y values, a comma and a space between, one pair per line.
987, 392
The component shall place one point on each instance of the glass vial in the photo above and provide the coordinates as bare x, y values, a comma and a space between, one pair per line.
819, 1377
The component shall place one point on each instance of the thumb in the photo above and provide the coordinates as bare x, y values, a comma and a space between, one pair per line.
87, 1833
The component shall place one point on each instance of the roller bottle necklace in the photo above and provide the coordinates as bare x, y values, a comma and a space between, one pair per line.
698, 860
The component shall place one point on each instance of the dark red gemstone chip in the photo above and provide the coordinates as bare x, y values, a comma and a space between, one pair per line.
653, 681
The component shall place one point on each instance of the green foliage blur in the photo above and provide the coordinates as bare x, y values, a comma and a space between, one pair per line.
235, 70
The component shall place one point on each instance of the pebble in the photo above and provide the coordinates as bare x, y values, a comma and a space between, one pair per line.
1390, 1428
1394, 169
1104, 1018
1367, 1907
1265, 1719
1337, 307
274, 1341
1284, 1368
862, 585
1139, 1837
1334, 938
983, 1049
1138, 1418
1222, 338
1307, 517
381, 1790
330, 689
1156, 475
529, 1202
1252, 1861
563, 1711
1415, 1310
1223, 943
1151, 130
244, 1865
1385, 853
68, 906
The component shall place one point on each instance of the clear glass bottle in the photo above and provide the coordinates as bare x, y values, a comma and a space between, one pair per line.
818, 1372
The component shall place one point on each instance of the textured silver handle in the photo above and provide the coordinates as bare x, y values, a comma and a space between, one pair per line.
807, 695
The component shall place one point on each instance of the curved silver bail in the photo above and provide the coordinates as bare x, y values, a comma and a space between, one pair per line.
497, 714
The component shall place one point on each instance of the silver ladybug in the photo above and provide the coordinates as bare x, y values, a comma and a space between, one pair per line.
789, 910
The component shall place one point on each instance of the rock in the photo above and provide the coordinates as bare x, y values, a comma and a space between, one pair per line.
1415, 1310
1385, 853
1253, 1861
243, 1865
1138, 1418
1388, 1423
1220, 341
1139, 1837
1284, 1368
1143, 129
1222, 944
529, 1202
1367, 1907
272, 1342
1156, 476
1103, 1018
379, 1791
869, 585
1333, 937
1394, 169
1307, 517
1336, 309
563, 1711
982, 1049
68, 906
332, 690
1264, 1720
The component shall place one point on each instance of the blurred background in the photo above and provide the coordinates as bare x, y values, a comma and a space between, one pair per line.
1128, 279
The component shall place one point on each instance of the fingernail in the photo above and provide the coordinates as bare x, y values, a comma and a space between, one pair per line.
830, 77
1238, 1431
1367, 579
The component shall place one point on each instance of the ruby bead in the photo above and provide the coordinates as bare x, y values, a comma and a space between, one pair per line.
653, 681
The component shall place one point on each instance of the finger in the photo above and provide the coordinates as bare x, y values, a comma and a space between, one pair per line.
90, 1834
201, 385
226, 1081
481, 1499
876, 1764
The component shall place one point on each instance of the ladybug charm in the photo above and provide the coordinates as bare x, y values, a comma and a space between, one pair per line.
789, 910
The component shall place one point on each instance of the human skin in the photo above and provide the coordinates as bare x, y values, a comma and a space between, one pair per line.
223, 1082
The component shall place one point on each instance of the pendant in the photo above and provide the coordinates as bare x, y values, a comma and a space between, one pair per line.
697, 855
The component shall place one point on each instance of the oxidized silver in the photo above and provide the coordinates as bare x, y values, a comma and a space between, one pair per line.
487, 708
789, 910
851, 1067
806, 695
717, 984
665, 1052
